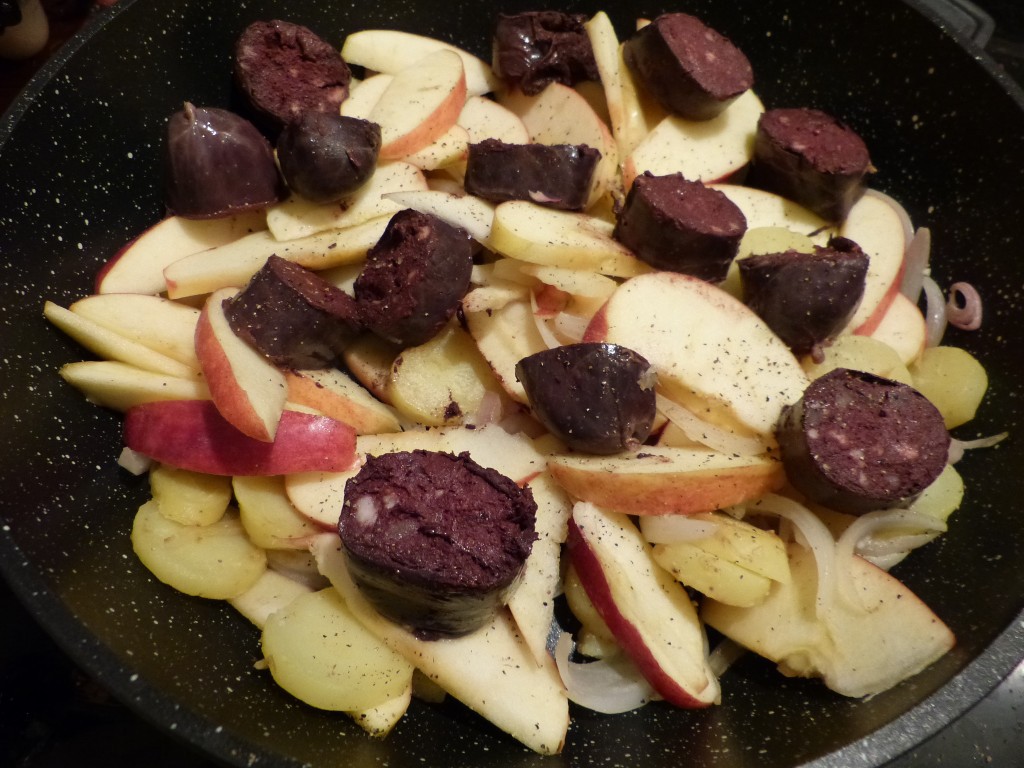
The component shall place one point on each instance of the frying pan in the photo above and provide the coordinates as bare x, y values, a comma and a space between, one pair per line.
80, 176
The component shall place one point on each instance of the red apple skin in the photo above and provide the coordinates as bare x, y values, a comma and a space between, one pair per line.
588, 568
192, 435
870, 325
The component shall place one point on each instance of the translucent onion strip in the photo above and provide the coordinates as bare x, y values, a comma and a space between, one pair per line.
725, 654
816, 536
916, 260
706, 433
901, 212
934, 312
570, 327
668, 529
609, 686
546, 334
958, 447
963, 310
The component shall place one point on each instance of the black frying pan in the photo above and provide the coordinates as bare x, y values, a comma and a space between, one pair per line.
79, 176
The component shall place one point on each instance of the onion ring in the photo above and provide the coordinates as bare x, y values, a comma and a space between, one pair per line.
609, 686
964, 307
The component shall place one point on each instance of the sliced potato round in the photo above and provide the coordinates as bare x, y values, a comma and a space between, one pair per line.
267, 513
216, 561
953, 380
859, 353
318, 651
189, 498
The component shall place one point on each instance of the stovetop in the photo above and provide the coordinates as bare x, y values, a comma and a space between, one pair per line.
53, 715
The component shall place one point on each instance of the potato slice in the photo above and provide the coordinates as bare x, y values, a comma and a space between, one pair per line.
189, 498
319, 652
216, 561
268, 516
953, 380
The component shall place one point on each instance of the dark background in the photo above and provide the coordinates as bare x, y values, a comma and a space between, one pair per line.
53, 715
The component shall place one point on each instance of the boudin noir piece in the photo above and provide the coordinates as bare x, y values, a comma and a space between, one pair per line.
595, 397
217, 164
856, 442
414, 278
691, 69
806, 298
557, 176
810, 157
326, 156
285, 70
536, 48
293, 316
435, 541
681, 226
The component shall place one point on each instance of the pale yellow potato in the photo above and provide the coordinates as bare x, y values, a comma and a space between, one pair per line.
859, 353
268, 516
189, 498
216, 561
712, 575
600, 640
953, 380
369, 358
442, 381
317, 650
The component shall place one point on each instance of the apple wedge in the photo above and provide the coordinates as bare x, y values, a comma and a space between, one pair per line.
468, 212
139, 266
560, 115
504, 337
390, 51
112, 345
766, 209
271, 592
712, 354
491, 671
420, 104
666, 481
878, 228
162, 325
247, 389
121, 386
232, 265
369, 358
709, 151
487, 119
297, 217
191, 434
649, 612
859, 644
540, 235
447, 149
362, 98
632, 116
903, 328
333, 393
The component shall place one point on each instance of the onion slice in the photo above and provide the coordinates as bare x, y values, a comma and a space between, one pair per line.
958, 447
609, 686
963, 310
934, 312
916, 260
668, 529
706, 433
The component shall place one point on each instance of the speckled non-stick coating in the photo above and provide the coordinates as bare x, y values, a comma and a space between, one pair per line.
80, 175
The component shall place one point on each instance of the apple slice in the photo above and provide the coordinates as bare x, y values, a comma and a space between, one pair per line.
297, 217
649, 612
663, 481
532, 604
390, 51
164, 326
248, 390
632, 116
471, 213
712, 354
766, 209
541, 235
369, 359
709, 151
712, 575
861, 643
334, 394
232, 265
504, 337
447, 149
487, 119
121, 386
111, 345
271, 592
491, 671
420, 104
191, 434
878, 228
139, 266
362, 98
903, 328
560, 115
